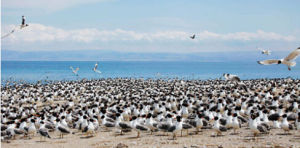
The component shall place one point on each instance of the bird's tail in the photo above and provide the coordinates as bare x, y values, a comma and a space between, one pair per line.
97, 71
291, 64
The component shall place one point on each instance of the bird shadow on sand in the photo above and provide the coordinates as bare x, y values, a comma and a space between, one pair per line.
217, 135
86, 137
284, 134
134, 137
41, 141
161, 135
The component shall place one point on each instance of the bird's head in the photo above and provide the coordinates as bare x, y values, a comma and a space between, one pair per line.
279, 61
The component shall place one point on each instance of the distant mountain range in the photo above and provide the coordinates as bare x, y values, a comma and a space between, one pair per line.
107, 55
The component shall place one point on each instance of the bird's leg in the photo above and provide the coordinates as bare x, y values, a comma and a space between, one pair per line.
181, 133
187, 132
121, 132
197, 130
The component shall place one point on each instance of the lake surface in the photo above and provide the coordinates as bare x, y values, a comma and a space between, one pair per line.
32, 71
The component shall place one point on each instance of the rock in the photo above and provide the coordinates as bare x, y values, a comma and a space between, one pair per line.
121, 145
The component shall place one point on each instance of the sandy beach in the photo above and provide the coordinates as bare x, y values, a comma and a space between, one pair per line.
204, 139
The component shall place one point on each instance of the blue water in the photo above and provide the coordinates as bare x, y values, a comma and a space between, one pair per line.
32, 71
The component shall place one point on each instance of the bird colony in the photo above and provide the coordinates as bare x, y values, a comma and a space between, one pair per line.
168, 107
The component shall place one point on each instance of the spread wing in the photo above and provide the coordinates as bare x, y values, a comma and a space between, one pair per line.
293, 55
268, 62
96, 66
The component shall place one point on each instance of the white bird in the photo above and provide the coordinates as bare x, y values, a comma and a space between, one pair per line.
231, 77
193, 36
75, 71
95, 68
21, 27
287, 60
264, 51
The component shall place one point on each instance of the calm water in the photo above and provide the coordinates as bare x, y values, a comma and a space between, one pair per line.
60, 70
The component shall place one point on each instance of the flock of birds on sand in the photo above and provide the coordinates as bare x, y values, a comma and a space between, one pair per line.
155, 106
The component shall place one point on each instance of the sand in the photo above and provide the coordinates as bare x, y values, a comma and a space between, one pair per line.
206, 138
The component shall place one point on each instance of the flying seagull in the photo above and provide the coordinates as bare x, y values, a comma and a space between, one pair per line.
23, 23
95, 68
193, 36
287, 60
21, 27
264, 51
75, 71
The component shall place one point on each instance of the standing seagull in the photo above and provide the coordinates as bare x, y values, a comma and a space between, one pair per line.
193, 36
75, 71
287, 60
43, 131
95, 68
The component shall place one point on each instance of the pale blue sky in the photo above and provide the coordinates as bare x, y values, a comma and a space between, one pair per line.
152, 25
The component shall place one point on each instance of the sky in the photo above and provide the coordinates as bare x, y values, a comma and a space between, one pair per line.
151, 26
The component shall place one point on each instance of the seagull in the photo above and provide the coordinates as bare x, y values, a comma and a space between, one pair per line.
287, 60
61, 129
285, 124
43, 131
21, 27
23, 23
231, 77
265, 51
218, 128
137, 126
235, 123
75, 71
31, 128
95, 68
193, 36
176, 127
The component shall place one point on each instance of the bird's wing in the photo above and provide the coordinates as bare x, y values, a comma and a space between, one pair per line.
293, 55
44, 133
76, 69
96, 65
268, 62
236, 78
72, 68
63, 130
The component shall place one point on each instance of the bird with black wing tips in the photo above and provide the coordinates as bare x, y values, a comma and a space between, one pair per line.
288, 61
193, 36
176, 127
217, 127
43, 131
